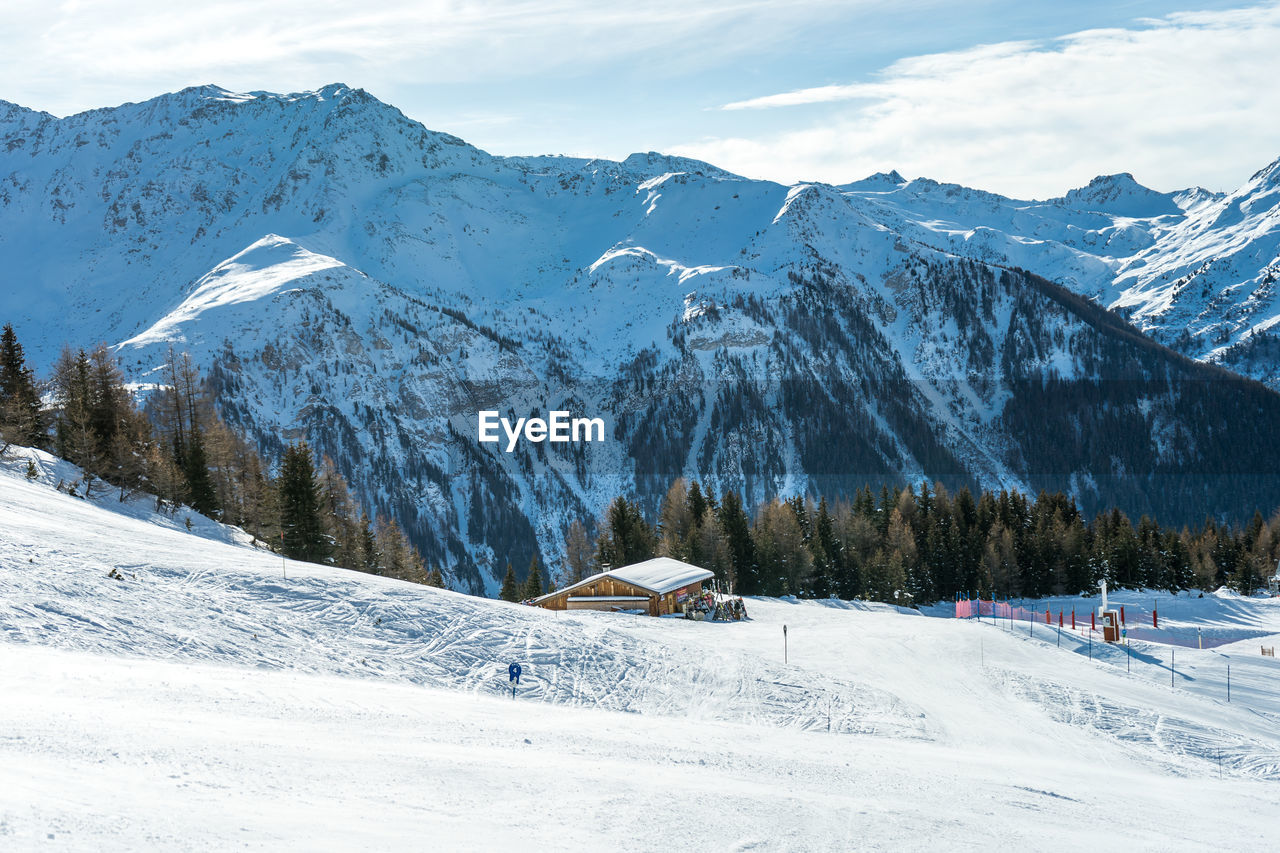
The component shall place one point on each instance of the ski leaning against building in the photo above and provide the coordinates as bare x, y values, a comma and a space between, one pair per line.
657, 587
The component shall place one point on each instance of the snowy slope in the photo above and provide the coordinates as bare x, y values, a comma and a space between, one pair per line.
205, 700
348, 276
237, 605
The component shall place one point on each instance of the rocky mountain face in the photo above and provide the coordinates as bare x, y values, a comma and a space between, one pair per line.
345, 275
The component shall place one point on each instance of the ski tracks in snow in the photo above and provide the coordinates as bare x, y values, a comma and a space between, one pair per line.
1171, 739
208, 601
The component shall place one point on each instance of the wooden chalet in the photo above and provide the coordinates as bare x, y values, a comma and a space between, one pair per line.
657, 587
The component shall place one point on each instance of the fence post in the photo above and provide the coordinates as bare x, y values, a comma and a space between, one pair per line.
1172, 667
1228, 682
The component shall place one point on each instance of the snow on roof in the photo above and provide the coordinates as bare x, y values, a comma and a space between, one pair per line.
659, 575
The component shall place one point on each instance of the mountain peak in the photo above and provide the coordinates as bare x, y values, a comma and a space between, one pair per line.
11, 113
653, 163
193, 98
879, 181
207, 90
1120, 194
1268, 175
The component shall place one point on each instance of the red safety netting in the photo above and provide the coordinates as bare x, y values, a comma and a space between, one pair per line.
1138, 622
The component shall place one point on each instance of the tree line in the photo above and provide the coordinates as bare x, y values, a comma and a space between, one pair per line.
917, 545
176, 448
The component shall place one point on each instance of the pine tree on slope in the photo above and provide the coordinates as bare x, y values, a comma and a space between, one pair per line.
533, 584
510, 588
195, 467
21, 421
303, 529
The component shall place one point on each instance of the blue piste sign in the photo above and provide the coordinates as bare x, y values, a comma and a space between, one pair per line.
514, 672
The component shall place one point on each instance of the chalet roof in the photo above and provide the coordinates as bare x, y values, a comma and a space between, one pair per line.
659, 576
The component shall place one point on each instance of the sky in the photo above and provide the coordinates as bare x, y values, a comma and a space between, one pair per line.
1024, 98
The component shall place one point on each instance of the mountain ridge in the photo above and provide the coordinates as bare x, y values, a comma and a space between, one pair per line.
346, 275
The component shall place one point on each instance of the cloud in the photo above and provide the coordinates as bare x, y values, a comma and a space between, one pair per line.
1188, 98
68, 56
815, 95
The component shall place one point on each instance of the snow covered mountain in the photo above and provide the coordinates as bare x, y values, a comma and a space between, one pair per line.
1194, 269
348, 276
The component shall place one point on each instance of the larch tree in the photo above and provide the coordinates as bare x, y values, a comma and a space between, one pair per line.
709, 548
675, 522
577, 555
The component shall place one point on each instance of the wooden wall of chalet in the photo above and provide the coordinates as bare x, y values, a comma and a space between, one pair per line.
669, 603
658, 605
604, 586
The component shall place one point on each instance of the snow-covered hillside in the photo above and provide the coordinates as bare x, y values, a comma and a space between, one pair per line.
346, 275
204, 699
1194, 268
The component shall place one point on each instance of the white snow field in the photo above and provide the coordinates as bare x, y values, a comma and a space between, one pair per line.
205, 702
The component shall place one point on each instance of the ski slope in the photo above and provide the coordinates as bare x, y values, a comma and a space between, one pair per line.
218, 696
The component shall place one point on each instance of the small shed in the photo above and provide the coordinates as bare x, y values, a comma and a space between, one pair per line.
658, 587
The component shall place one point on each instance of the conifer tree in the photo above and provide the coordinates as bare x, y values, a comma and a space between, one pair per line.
436, 578
625, 537
201, 495
510, 586
109, 400
698, 504
74, 437
370, 559
742, 554
300, 522
822, 544
533, 583
21, 421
